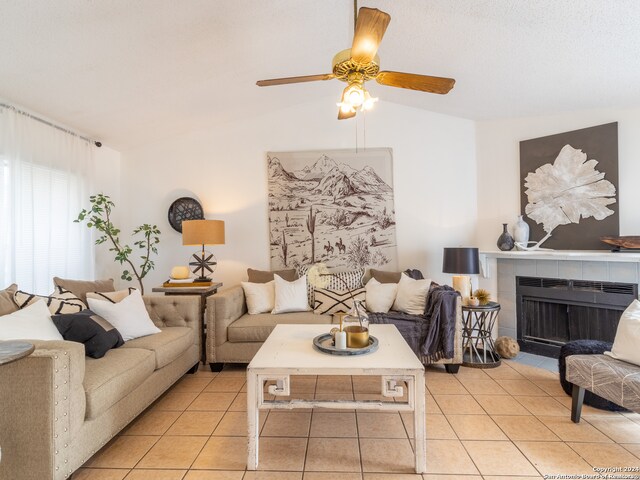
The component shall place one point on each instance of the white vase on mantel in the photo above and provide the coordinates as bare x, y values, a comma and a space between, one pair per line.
521, 233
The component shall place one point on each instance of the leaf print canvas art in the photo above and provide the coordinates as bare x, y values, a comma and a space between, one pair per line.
569, 187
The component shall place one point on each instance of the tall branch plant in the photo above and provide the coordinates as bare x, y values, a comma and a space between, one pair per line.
98, 216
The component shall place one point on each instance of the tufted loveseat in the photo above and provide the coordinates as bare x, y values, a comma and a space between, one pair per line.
60, 407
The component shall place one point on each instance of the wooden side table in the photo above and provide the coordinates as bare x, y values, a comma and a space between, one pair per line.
12, 350
203, 293
478, 349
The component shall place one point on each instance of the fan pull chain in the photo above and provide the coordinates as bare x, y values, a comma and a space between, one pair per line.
356, 124
364, 130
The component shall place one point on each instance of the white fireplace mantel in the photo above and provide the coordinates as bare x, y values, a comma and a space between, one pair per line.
500, 270
578, 255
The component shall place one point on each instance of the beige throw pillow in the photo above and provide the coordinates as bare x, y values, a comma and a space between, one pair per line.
7, 303
385, 277
625, 345
260, 297
380, 296
262, 276
412, 295
80, 288
112, 297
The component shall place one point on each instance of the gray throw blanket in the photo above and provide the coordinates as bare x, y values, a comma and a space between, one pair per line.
429, 335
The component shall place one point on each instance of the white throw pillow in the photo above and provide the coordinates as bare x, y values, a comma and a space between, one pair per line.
290, 296
380, 296
129, 316
261, 297
33, 322
625, 345
412, 295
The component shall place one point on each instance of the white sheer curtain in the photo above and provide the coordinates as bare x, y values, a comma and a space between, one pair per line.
45, 178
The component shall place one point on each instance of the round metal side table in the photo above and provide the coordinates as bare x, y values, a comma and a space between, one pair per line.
478, 348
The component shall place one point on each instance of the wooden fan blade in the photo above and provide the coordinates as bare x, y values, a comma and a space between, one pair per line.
370, 27
284, 81
344, 116
412, 81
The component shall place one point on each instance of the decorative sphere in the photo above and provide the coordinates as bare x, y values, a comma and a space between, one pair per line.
507, 347
180, 273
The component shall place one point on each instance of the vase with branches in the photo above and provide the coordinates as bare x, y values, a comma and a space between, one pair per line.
98, 216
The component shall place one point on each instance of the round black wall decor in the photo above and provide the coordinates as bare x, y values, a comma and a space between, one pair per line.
184, 208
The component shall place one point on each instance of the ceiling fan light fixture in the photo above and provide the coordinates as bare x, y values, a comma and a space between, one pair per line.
368, 101
354, 94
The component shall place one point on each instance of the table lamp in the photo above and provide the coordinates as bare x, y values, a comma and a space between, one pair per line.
462, 262
203, 232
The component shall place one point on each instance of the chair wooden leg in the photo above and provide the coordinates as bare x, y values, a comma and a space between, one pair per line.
577, 397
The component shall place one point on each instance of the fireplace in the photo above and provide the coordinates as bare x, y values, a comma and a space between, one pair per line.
552, 311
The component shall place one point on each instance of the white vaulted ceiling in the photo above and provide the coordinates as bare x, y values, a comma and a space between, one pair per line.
130, 72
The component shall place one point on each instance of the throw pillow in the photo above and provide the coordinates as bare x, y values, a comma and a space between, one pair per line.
411, 297
380, 296
290, 296
97, 335
350, 279
261, 276
7, 304
129, 316
385, 277
30, 323
113, 297
60, 301
301, 271
625, 345
80, 287
328, 301
260, 297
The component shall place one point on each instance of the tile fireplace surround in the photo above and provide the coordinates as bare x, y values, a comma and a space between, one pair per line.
499, 271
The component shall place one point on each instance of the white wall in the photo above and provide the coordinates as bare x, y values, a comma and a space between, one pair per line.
225, 168
498, 157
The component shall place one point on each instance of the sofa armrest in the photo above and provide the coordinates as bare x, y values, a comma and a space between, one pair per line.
223, 309
43, 406
175, 311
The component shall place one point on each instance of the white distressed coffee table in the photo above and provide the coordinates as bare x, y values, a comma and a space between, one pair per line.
289, 351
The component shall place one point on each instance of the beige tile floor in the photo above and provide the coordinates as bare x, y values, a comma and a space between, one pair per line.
511, 422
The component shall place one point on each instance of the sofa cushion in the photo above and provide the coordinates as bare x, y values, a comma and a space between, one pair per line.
111, 378
256, 328
167, 345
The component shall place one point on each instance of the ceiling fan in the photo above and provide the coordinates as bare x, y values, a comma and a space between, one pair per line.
360, 63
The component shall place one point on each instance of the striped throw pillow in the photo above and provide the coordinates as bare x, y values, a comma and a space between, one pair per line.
60, 301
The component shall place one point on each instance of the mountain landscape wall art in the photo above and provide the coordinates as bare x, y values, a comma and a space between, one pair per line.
333, 206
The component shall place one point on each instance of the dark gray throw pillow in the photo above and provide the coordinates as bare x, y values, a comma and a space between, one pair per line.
97, 335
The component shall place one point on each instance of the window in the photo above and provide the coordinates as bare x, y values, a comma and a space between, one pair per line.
44, 184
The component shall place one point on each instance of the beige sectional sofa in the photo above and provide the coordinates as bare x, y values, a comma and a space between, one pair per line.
60, 407
234, 336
